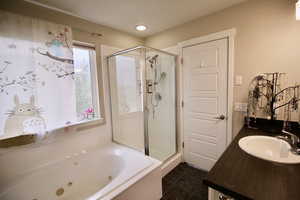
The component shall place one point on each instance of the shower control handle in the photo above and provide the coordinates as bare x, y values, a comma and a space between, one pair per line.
221, 117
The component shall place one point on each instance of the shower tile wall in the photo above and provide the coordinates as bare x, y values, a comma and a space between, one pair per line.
161, 120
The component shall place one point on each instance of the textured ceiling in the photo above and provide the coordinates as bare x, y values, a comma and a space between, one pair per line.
157, 15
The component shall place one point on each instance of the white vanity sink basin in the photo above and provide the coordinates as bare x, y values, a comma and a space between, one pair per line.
269, 148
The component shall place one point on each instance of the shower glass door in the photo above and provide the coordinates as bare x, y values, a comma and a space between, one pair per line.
142, 90
126, 99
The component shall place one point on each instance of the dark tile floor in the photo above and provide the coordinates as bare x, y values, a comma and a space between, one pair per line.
184, 183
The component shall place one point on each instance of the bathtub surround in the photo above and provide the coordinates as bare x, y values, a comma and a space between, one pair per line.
111, 171
267, 40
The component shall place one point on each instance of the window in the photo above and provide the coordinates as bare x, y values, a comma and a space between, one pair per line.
87, 95
51, 85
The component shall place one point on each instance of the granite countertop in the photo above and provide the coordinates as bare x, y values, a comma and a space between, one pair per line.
243, 176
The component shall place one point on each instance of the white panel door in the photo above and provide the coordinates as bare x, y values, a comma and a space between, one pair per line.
205, 102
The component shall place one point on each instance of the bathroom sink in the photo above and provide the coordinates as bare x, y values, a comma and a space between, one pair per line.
269, 148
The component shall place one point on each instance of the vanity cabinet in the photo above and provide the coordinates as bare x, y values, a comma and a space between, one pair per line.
244, 176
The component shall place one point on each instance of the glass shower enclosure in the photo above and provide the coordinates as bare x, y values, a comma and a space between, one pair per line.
143, 100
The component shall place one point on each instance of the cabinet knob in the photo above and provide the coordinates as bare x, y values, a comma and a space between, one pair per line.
223, 197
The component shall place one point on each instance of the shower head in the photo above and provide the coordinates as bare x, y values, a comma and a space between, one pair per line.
152, 59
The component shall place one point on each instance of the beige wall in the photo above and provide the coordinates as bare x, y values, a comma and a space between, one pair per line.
81, 28
267, 40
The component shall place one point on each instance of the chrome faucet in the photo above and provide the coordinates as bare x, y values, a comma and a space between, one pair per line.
292, 139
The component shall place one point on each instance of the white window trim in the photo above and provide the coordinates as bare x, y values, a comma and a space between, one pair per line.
97, 90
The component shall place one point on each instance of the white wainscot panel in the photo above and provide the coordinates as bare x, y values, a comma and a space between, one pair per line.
203, 105
204, 82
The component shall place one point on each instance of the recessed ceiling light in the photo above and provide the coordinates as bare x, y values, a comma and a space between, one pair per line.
140, 28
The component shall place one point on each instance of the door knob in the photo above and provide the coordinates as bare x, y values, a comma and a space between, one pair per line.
221, 117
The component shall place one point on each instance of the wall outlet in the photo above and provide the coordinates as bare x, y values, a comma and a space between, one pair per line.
238, 80
237, 107
240, 107
244, 107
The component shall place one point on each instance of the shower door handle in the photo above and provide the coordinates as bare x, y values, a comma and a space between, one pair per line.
221, 117
139, 83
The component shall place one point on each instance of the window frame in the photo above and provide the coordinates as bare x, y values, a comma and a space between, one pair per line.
97, 86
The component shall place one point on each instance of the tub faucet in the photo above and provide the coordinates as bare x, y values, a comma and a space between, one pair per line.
292, 139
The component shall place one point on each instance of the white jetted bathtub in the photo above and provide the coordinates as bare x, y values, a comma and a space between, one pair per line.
104, 173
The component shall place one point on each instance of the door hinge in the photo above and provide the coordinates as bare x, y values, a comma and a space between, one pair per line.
182, 144
181, 60
182, 104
